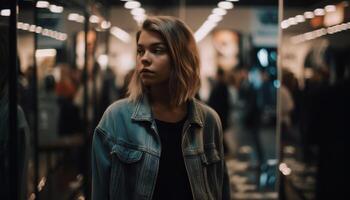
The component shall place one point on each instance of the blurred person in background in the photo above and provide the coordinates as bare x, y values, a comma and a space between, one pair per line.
160, 142
66, 89
226, 45
287, 107
48, 110
100, 84
247, 111
219, 100
290, 97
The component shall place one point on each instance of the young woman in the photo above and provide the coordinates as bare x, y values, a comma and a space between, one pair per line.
160, 142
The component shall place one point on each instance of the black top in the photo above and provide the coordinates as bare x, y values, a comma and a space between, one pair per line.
172, 180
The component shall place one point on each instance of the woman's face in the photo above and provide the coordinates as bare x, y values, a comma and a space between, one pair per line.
153, 59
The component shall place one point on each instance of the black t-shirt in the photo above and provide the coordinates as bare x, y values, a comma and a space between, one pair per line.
172, 180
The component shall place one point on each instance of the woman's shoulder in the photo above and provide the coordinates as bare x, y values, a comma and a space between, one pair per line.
206, 111
119, 105
119, 109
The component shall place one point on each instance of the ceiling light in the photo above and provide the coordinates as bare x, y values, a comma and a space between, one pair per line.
80, 19
73, 16
219, 11
319, 12
309, 15
32, 28
225, 5
19, 25
139, 18
42, 4
45, 32
25, 26
292, 21
55, 34
50, 33
94, 19
5, 12
233, 0
45, 53
132, 4
62, 36
284, 24
56, 9
105, 24
300, 18
330, 8
215, 18
203, 31
38, 29
120, 34
348, 25
138, 11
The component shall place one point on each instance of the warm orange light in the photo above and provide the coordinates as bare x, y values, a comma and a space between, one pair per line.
316, 22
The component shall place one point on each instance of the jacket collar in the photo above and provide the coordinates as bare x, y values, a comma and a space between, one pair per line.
142, 111
195, 113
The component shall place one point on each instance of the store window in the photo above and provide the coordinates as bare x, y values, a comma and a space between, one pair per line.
314, 96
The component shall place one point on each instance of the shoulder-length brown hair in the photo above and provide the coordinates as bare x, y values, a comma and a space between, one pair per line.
184, 80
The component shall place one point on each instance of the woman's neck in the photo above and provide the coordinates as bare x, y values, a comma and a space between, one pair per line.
162, 106
160, 95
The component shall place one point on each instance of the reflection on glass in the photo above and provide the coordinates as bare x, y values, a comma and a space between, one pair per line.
239, 77
4, 108
314, 100
11, 161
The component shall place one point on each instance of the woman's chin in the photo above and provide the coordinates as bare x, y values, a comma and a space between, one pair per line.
147, 83
152, 82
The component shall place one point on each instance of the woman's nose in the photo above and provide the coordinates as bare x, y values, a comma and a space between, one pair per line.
145, 59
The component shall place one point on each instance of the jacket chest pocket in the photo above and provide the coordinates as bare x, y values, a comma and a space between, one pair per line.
125, 154
125, 171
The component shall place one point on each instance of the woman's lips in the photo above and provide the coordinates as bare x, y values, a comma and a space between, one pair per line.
146, 71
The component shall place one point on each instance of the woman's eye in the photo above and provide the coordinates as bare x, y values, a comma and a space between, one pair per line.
140, 51
159, 50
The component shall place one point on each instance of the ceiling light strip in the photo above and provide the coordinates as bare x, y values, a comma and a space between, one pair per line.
320, 32
43, 31
138, 13
52, 7
213, 19
120, 34
300, 18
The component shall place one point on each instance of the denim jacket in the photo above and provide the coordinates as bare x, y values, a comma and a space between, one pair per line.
126, 153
